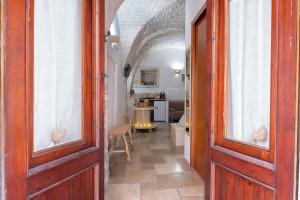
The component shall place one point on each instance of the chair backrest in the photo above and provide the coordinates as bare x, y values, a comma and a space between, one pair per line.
129, 119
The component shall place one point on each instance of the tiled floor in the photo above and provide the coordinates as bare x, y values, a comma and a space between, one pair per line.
157, 171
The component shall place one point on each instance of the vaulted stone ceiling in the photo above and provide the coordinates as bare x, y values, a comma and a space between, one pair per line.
169, 19
134, 16
148, 25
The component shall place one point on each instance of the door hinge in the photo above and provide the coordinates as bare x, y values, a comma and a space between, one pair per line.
102, 76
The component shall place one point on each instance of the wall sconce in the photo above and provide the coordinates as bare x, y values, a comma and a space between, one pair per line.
177, 72
112, 39
107, 35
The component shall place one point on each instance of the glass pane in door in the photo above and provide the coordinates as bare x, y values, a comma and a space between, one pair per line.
57, 72
249, 71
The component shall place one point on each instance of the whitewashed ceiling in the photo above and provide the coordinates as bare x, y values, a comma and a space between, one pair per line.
133, 15
149, 25
138, 19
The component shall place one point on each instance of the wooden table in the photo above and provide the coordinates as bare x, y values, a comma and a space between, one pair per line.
142, 118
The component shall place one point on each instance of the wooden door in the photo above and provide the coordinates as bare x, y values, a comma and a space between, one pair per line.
73, 170
263, 168
198, 82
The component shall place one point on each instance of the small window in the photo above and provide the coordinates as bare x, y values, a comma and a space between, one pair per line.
249, 71
246, 83
57, 72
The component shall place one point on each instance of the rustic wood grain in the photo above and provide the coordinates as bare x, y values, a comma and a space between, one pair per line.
74, 188
247, 171
68, 171
14, 59
234, 187
37, 158
198, 92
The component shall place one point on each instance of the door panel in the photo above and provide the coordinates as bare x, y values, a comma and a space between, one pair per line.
243, 167
69, 171
229, 185
80, 187
198, 82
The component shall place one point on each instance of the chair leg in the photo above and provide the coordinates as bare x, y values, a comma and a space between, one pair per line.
126, 147
110, 144
130, 137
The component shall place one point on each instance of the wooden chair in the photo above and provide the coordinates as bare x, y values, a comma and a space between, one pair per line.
121, 130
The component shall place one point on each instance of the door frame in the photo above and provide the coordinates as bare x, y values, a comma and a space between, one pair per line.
281, 172
297, 175
20, 182
16, 150
202, 11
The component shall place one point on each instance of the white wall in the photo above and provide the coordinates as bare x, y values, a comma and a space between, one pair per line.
115, 91
111, 8
168, 81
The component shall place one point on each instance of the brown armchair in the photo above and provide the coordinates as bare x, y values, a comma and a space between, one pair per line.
176, 110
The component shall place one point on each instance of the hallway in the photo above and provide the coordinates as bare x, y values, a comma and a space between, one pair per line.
157, 171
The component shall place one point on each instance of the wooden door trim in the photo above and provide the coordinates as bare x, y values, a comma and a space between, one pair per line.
285, 155
210, 116
193, 66
14, 98
20, 180
222, 66
87, 68
263, 173
297, 166
251, 179
46, 176
99, 101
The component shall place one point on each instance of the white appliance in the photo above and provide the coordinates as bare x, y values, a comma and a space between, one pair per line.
161, 111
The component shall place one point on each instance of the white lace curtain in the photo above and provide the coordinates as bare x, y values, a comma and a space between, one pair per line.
250, 68
57, 70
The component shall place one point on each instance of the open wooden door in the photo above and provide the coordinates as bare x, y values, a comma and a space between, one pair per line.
198, 82
251, 99
53, 100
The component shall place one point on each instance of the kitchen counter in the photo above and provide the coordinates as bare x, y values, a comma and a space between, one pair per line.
144, 108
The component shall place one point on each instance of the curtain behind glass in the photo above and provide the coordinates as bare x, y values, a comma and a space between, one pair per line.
249, 69
57, 71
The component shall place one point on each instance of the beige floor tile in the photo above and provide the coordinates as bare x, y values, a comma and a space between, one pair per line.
179, 161
147, 166
125, 167
152, 160
116, 180
185, 165
124, 192
169, 168
169, 181
192, 191
155, 174
171, 194
159, 146
149, 186
140, 176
